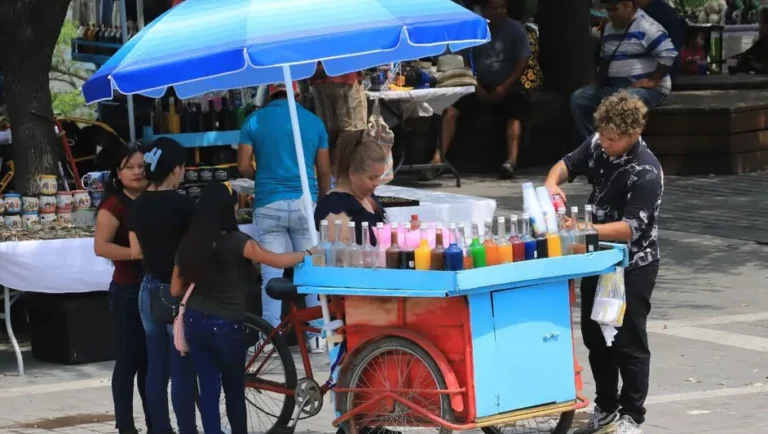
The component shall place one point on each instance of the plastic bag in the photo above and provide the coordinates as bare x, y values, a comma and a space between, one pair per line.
379, 130
610, 299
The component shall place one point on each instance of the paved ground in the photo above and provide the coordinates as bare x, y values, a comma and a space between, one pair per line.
709, 325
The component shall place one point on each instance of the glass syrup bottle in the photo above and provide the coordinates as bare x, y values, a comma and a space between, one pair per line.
370, 255
325, 257
438, 253
393, 252
423, 254
407, 255
528, 241
381, 252
468, 263
505, 248
354, 252
454, 255
479, 258
591, 239
491, 248
338, 248
579, 241
518, 246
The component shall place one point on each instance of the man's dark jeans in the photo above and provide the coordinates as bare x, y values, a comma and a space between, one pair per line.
130, 354
629, 355
217, 347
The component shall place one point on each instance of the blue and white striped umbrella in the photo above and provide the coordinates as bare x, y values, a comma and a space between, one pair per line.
205, 45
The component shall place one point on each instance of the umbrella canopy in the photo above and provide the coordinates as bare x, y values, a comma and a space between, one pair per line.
206, 45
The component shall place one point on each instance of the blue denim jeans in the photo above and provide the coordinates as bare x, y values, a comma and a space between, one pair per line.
217, 349
584, 102
130, 354
280, 227
164, 364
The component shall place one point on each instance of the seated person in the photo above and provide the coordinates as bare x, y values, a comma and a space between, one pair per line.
636, 54
664, 14
360, 163
693, 58
499, 65
755, 59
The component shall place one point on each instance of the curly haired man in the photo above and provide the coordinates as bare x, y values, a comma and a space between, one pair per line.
627, 186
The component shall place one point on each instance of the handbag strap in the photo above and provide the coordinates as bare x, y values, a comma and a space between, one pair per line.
188, 293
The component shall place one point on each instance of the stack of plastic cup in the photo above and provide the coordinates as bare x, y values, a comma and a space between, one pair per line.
532, 207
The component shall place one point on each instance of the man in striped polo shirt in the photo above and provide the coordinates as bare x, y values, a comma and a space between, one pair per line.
636, 54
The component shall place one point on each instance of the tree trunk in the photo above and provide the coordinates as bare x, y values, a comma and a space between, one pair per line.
29, 30
567, 49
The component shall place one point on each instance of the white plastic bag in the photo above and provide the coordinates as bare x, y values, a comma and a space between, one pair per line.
379, 130
610, 303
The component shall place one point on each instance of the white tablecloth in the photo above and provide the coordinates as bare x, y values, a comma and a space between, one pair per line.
419, 102
436, 206
53, 266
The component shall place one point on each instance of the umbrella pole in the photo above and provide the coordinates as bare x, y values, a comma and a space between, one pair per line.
124, 34
306, 197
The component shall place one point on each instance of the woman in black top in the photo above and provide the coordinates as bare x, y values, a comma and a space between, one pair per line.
159, 220
219, 258
360, 163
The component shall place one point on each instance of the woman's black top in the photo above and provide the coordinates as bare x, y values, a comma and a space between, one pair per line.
337, 202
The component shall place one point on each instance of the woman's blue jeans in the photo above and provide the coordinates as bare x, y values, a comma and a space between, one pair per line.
164, 364
217, 349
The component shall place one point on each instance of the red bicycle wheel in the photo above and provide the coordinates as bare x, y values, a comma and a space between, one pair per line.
403, 368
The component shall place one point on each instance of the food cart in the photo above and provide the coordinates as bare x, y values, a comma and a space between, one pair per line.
482, 348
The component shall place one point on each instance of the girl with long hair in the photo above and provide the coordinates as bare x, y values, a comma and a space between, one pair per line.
218, 259
125, 183
160, 218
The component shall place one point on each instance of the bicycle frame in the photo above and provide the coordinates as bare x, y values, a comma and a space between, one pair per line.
296, 320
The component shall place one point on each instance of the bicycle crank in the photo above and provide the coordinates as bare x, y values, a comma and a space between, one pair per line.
309, 400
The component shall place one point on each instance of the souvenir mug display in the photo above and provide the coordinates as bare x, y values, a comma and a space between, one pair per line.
64, 201
47, 184
81, 199
96, 198
64, 217
13, 221
48, 218
12, 202
94, 181
30, 204
29, 219
47, 204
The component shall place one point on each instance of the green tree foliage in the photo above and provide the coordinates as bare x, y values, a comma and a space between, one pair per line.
67, 76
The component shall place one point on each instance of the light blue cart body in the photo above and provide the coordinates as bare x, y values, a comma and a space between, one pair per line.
520, 316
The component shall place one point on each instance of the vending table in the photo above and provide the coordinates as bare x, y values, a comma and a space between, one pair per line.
497, 341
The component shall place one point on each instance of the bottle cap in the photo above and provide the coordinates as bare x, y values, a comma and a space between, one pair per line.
513, 217
364, 224
500, 219
324, 223
393, 225
574, 210
451, 225
438, 225
351, 224
379, 225
414, 216
338, 222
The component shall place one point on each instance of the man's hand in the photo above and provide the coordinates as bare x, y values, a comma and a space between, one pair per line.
499, 93
645, 83
554, 190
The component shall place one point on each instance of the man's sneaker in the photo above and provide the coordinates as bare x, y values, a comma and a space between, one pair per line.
317, 345
599, 422
627, 425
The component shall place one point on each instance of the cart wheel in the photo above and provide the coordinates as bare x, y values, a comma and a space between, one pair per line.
555, 424
401, 366
274, 365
